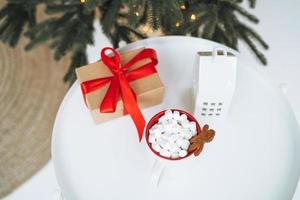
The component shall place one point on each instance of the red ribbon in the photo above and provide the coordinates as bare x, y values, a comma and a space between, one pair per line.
119, 83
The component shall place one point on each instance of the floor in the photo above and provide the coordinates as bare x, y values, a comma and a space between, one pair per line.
279, 26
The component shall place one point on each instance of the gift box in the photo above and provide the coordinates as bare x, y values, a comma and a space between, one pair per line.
148, 90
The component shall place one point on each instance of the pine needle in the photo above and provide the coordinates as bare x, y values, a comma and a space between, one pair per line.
69, 25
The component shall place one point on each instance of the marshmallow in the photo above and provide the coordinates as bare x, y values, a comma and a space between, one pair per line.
156, 147
152, 139
168, 127
154, 126
182, 153
151, 131
188, 135
160, 127
162, 119
154, 130
157, 133
194, 133
168, 114
167, 135
173, 122
173, 137
170, 136
161, 141
167, 146
185, 144
177, 128
179, 141
183, 117
185, 124
174, 148
175, 155
176, 115
193, 126
165, 153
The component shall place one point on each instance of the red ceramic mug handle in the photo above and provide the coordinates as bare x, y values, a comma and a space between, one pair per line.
156, 172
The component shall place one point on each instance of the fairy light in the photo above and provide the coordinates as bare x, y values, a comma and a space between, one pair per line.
177, 24
182, 7
193, 17
137, 14
147, 29
82, 1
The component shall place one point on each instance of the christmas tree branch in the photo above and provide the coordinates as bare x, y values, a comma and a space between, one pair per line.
13, 18
252, 46
78, 59
250, 32
71, 31
69, 27
252, 3
242, 11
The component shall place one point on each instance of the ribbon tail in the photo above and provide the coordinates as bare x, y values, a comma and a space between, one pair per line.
124, 109
110, 100
132, 107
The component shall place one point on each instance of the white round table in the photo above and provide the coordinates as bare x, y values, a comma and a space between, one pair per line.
254, 156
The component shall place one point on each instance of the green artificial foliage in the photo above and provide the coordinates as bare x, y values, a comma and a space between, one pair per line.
69, 25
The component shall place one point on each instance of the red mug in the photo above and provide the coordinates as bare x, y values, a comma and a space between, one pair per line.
154, 120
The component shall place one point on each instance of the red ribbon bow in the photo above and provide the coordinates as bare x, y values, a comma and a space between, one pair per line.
119, 82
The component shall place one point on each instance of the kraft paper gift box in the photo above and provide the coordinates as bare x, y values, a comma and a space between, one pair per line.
149, 90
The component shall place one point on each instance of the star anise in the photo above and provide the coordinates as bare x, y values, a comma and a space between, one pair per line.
198, 141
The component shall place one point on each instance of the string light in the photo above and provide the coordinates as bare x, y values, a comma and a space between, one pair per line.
182, 7
193, 17
82, 1
177, 24
137, 14
147, 29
